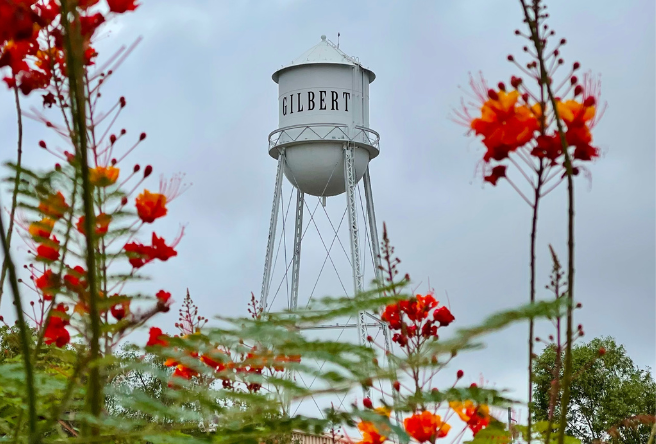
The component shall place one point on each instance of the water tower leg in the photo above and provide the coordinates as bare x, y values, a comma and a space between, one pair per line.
350, 182
375, 247
266, 280
298, 236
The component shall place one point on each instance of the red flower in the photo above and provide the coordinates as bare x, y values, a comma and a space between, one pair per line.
217, 365
89, 24
392, 315
498, 172
120, 309
73, 278
426, 427
48, 251
585, 152
156, 337
102, 224
54, 206
477, 417
443, 316
121, 6
55, 331
184, 372
162, 251
548, 147
163, 300
138, 254
48, 283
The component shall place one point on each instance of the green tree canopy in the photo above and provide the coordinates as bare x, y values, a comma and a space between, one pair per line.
613, 400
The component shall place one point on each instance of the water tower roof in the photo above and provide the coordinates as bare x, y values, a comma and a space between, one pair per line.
324, 52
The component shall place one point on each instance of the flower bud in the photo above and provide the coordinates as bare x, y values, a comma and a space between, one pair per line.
563, 41
370, 339
124, 200
511, 58
517, 32
492, 94
589, 101
57, 167
556, 52
112, 139
113, 161
574, 80
42, 144
578, 90
502, 86
148, 171
123, 131
122, 102
142, 136
460, 374
579, 305
576, 65
367, 403
375, 361
602, 351
515, 82
395, 384
473, 385
136, 168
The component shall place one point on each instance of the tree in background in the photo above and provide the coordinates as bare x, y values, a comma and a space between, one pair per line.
613, 400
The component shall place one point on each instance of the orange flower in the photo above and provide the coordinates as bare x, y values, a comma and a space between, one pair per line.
477, 417
151, 206
103, 176
102, 224
370, 434
42, 228
54, 205
426, 427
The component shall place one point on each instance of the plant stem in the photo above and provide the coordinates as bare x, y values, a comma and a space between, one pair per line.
25, 345
14, 196
74, 57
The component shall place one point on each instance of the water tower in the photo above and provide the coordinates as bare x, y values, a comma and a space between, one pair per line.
323, 146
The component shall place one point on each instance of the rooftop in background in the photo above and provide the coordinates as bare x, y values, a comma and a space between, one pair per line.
324, 52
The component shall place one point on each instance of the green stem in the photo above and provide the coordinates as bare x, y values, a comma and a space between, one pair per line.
14, 196
546, 82
24, 339
74, 57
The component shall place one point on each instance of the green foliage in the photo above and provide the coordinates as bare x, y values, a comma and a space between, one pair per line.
609, 393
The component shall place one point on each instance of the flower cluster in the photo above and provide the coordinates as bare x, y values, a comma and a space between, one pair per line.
416, 319
426, 427
32, 40
476, 416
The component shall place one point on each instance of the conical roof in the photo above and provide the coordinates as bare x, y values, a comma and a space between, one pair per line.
324, 52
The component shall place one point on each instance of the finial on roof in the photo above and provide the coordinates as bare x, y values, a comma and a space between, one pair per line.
323, 37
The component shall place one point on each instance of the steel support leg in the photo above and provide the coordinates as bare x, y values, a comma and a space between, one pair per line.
350, 182
298, 236
375, 248
266, 280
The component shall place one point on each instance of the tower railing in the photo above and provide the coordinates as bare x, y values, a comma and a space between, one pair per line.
328, 132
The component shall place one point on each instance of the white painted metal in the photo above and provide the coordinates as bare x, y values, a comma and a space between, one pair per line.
298, 236
323, 101
266, 280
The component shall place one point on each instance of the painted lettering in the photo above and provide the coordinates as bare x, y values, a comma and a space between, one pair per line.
322, 100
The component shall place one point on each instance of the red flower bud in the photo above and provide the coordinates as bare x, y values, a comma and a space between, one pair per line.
114, 162
124, 200
576, 65
602, 351
123, 131
525, 97
492, 94
579, 305
136, 168
563, 41
42, 144
122, 101
112, 139
589, 101
578, 90
517, 32
574, 80
57, 167
370, 339
142, 136
460, 374
473, 385
395, 384
367, 403
511, 58
147, 171
515, 82
502, 86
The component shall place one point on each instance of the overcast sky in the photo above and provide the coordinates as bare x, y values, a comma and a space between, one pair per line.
200, 86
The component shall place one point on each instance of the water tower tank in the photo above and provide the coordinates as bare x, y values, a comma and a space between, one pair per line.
323, 103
